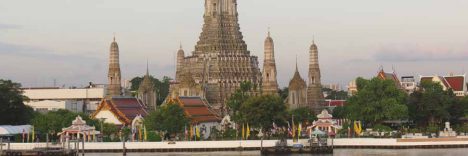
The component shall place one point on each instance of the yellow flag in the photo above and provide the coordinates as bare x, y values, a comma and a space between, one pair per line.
191, 132
33, 136
198, 132
146, 133
248, 132
357, 127
299, 129
139, 133
243, 131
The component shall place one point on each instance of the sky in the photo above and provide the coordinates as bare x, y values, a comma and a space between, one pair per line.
68, 40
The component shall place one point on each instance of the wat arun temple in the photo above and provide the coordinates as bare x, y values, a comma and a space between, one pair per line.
221, 62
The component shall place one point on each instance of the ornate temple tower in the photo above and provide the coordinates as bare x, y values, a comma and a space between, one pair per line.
221, 61
180, 62
314, 90
114, 75
269, 82
297, 96
146, 92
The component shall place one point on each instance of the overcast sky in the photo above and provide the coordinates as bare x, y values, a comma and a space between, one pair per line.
68, 40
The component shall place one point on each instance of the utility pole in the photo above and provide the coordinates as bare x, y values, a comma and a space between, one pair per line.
1, 146
82, 147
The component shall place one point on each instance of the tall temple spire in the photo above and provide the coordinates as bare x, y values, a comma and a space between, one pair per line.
147, 67
219, 53
180, 62
269, 82
314, 90
114, 75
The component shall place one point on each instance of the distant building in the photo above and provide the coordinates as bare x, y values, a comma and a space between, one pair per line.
352, 88
455, 82
332, 104
147, 93
313, 98
76, 100
334, 87
297, 97
409, 84
389, 76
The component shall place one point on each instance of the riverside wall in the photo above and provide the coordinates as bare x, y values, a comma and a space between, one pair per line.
250, 145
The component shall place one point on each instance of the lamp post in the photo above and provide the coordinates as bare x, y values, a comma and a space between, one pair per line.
102, 128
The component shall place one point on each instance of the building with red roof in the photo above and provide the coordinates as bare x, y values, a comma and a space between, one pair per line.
120, 110
455, 82
199, 112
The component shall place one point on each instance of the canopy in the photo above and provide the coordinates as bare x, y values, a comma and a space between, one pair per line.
13, 130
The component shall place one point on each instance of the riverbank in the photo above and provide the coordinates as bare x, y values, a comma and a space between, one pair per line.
250, 145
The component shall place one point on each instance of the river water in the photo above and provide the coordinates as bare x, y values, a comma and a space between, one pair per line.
337, 152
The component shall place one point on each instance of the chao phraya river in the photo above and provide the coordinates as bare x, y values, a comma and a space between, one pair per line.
338, 152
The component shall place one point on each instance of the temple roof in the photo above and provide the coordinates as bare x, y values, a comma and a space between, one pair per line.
297, 82
197, 109
124, 108
146, 84
456, 82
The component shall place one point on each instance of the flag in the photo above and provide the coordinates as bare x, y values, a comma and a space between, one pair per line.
94, 135
146, 133
289, 129
198, 132
299, 129
293, 128
191, 132
33, 135
139, 134
248, 132
243, 132
185, 132
357, 127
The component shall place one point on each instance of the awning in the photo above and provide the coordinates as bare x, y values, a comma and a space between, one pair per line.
6, 130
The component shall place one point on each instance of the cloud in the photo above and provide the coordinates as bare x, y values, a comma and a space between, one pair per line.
8, 26
411, 53
40, 53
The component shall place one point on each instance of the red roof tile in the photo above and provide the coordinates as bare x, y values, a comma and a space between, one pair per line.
335, 103
197, 110
456, 82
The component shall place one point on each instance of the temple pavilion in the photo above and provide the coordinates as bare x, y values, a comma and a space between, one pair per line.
326, 123
79, 130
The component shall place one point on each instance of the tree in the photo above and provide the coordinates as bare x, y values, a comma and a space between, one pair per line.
302, 115
340, 112
376, 101
431, 104
12, 109
52, 122
335, 95
170, 118
284, 93
237, 99
262, 111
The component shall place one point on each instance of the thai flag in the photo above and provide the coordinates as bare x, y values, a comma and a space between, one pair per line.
289, 129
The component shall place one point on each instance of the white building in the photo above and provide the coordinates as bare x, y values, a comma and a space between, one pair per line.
76, 100
408, 83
